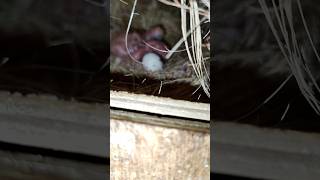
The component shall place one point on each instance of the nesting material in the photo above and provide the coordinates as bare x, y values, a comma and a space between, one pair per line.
266, 70
172, 62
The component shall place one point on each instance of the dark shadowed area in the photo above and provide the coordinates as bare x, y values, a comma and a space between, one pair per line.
54, 47
250, 69
53, 52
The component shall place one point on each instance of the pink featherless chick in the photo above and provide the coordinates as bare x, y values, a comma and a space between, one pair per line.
145, 47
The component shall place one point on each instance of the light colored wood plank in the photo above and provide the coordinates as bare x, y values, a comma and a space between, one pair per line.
159, 105
159, 148
251, 151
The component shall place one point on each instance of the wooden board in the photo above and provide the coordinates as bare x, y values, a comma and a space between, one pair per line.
25, 166
164, 146
160, 105
46, 122
155, 138
150, 147
251, 151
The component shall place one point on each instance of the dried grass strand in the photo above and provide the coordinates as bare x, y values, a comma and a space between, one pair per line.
291, 50
128, 30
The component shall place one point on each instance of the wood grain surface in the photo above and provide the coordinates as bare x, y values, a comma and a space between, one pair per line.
158, 148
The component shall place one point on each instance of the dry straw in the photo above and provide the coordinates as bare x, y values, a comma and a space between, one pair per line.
280, 19
191, 31
192, 17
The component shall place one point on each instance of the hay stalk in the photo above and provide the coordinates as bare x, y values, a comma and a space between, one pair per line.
193, 33
292, 51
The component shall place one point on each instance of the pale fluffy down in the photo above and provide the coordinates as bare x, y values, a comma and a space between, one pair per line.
152, 62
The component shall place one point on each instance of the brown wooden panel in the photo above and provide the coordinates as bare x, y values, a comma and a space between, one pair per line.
148, 147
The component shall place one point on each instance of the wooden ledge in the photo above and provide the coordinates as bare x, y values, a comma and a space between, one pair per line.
160, 105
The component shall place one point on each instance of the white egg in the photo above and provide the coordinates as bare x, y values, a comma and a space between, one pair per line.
152, 62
